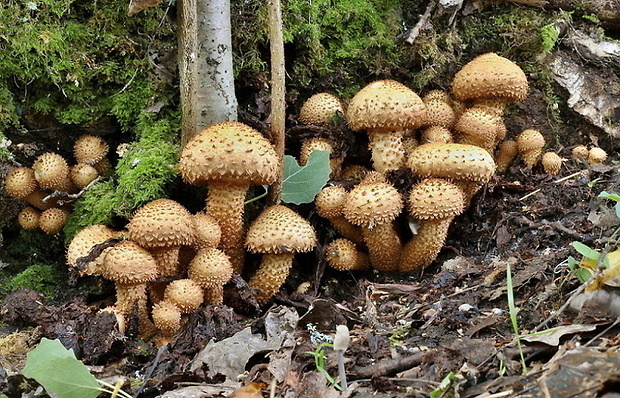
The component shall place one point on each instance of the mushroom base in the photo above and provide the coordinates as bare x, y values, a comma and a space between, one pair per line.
424, 247
271, 274
384, 247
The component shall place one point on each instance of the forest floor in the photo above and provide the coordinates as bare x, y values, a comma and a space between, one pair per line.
447, 332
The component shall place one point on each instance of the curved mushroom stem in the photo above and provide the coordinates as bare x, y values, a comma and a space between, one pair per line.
384, 247
424, 247
347, 229
130, 296
167, 259
225, 203
387, 150
271, 274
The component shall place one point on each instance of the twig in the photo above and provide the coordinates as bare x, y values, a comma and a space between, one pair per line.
388, 367
422, 23
148, 374
64, 197
607, 329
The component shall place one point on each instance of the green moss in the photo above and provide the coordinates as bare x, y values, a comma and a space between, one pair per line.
40, 277
96, 206
549, 37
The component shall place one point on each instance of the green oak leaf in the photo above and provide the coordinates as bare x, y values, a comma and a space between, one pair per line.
302, 183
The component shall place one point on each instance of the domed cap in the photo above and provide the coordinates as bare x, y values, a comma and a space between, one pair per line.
210, 267
437, 95
279, 229
529, 140
28, 218
83, 174
320, 109
83, 242
385, 105
52, 220
51, 171
20, 182
166, 317
372, 203
128, 263
439, 110
161, 223
579, 152
90, 149
552, 163
229, 151
207, 231
596, 155
185, 294
452, 162
490, 76
330, 201
436, 134
342, 255
435, 198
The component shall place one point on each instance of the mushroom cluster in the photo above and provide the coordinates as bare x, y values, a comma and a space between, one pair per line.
48, 184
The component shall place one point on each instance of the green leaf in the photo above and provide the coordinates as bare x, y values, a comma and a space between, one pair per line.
586, 251
302, 183
59, 372
609, 195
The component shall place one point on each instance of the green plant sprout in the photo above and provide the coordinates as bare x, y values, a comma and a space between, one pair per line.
320, 357
512, 310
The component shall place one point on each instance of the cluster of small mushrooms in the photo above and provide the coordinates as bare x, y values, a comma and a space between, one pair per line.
167, 261
47, 186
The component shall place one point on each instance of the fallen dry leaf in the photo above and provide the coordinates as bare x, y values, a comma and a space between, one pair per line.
252, 390
135, 6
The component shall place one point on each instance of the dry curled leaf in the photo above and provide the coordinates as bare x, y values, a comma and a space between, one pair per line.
135, 6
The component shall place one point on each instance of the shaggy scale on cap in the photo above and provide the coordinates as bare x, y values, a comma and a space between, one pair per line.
320, 109
530, 143
83, 174
52, 172
20, 182
207, 231
28, 218
90, 149
83, 242
329, 204
52, 220
211, 269
596, 155
342, 254
507, 153
186, 294
552, 163
439, 110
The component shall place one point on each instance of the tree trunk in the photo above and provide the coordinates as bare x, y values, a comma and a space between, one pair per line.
205, 65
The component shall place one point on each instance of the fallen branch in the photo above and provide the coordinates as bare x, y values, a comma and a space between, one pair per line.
388, 367
64, 197
422, 23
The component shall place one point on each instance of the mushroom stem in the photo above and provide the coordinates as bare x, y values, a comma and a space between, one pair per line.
347, 229
225, 203
384, 246
213, 295
167, 259
130, 296
387, 150
271, 274
424, 247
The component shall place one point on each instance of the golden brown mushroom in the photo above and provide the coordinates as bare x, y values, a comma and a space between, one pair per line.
374, 205
383, 109
530, 143
186, 294
90, 149
481, 126
28, 218
329, 204
52, 172
320, 109
228, 157
20, 183
52, 220
552, 163
83, 242
278, 233
162, 226
211, 269
82, 174
434, 134
207, 231
580, 152
167, 318
435, 202
343, 255
506, 154
439, 110
596, 155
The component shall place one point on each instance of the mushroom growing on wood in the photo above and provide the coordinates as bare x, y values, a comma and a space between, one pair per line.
435, 202
162, 226
278, 233
374, 205
131, 267
228, 157
468, 166
20, 183
90, 149
383, 109
530, 143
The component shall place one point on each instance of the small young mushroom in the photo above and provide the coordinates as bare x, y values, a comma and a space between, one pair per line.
186, 294
435, 202
52, 220
439, 110
435, 134
320, 109
580, 152
131, 267
167, 318
90, 149
596, 155
374, 205
82, 174
329, 204
278, 233
20, 182
229, 157
28, 218
552, 163
52, 172
211, 269
507, 153
384, 109
162, 226
343, 255
207, 232
530, 143
83, 242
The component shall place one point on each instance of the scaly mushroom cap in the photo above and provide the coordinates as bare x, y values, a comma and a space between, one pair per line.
52, 172
90, 149
490, 76
580, 152
52, 220
435, 198
210, 268
452, 162
83, 242
330, 201
279, 229
161, 223
435, 134
207, 231
129, 263
320, 109
596, 155
342, 254
552, 163
530, 143
354, 173
385, 105
478, 126
166, 317
439, 112
83, 174
372, 203
437, 95
28, 218
506, 154
186, 294
20, 182
229, 151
